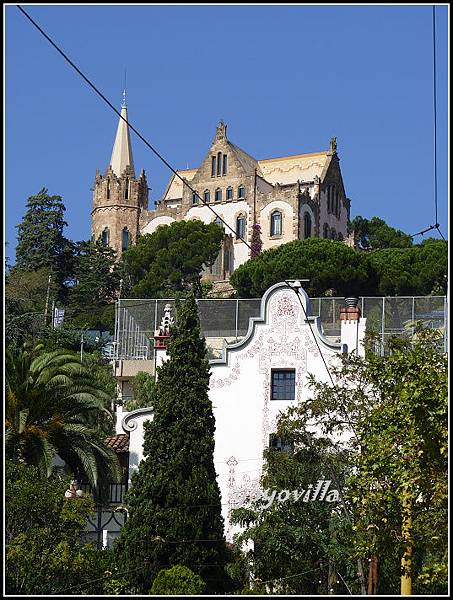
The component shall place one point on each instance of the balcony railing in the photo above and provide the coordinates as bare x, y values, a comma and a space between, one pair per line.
116, 493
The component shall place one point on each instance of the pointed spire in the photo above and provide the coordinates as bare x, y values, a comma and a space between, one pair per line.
122, 149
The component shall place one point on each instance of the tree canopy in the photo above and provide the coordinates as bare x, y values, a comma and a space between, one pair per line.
328, 264
375, 233
52, 407
41, 243
172, 258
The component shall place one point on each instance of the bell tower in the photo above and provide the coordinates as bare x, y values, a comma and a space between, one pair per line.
118, 196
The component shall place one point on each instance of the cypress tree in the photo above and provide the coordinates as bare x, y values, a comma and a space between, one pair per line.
174, 501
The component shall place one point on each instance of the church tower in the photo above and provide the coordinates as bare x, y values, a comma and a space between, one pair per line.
118, 196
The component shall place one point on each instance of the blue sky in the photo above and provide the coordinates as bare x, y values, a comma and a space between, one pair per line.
285, 79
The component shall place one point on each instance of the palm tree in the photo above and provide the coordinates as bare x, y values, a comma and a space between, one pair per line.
52, 406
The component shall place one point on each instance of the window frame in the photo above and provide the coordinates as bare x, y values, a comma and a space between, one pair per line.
241, 217
288, 371
218, 192
241, 187
273, 215
207, 196
229, 189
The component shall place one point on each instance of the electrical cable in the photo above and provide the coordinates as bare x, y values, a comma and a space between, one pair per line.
436, 223
166, 163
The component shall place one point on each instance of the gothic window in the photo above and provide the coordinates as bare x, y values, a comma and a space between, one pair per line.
307, 225
216, 268
224, 170
219, 164
240, 227
126, 189
241, 191
194, 198
280, 445
105, 236
333, 234
328, 198
325, 231
219, 222
229, 193
283, 385
340, 236
207, 196
276, 223
214, 167
126, 238
218, 195
108, 188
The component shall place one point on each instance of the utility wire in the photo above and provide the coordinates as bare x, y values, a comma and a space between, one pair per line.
436, 224
166, 163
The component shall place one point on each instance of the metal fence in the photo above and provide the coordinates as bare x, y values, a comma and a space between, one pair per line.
228, 319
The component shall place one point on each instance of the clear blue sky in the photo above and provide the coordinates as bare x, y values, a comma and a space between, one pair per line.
285, 79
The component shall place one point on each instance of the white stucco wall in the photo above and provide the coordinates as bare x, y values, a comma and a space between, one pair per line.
240, 389
154, 224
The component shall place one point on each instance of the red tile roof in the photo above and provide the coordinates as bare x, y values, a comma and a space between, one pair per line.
119, 443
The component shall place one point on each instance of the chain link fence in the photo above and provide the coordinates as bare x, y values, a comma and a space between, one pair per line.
228, 319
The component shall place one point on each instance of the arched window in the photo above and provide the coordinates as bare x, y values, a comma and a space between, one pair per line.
241, 191
240, 227
194, 198
337, 204
216, 267
276, 223
206, 196
126, 239
307, 225
325, 231
218, 195
214, 166
333, 234
219, 164
219, 222
108, 188
126, 189
224, 170
105, 236
340, 236
328, 198
229, 193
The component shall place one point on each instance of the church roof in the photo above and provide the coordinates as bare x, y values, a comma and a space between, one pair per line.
122, 149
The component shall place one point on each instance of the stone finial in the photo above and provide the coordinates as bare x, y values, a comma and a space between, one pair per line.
220, 133
333, 145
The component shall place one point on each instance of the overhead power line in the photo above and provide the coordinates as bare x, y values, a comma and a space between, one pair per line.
166, 163
436, 224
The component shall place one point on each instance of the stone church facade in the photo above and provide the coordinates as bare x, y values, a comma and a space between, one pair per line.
291, 197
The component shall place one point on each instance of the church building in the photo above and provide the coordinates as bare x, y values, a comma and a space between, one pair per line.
290, 197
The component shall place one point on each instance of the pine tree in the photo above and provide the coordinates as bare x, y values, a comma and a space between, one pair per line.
41, 243
256, 242
175, 499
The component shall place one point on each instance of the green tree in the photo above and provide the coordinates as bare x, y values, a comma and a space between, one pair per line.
53, 406
174, 502
299, 544
177, 580
327, 264
397, 408
25, 302
144, 387
172, 258
41, 243
411, 271
44, 552
375, 233
95, 284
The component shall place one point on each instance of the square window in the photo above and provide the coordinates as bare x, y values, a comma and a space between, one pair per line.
280, 445
283, 385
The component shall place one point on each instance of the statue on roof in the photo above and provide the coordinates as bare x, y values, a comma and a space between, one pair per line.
220, 133
333, 145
